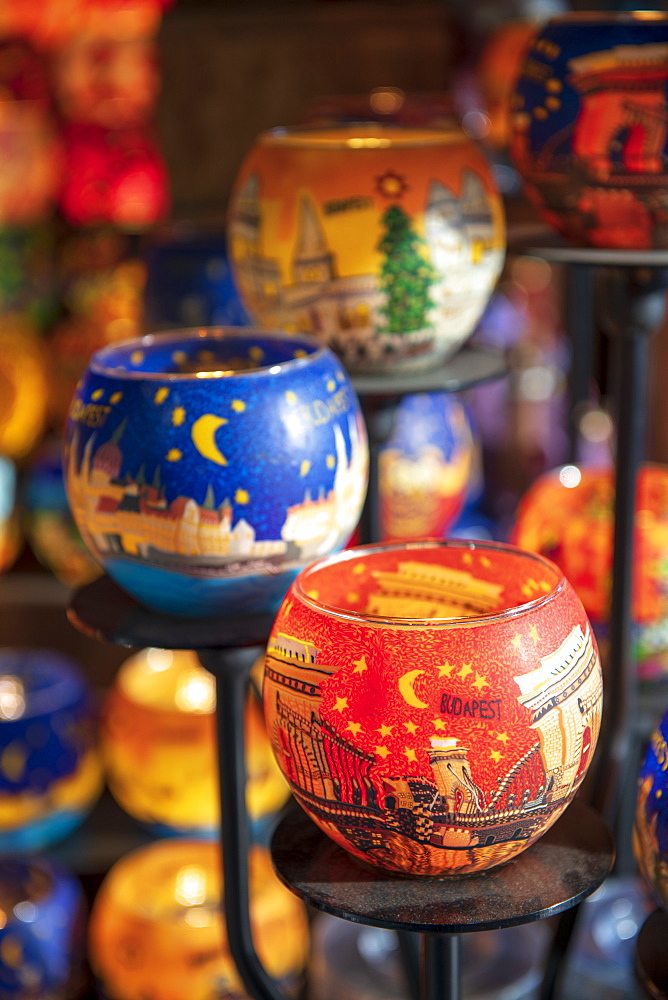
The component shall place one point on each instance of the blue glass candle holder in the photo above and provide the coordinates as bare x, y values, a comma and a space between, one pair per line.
50, 771
41, 931
204, 468
650, 832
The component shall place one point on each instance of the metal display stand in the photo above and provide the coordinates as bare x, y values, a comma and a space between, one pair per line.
651, 957
628, 289
566, 865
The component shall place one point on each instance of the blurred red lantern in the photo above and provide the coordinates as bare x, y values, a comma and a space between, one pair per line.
121, 18
45, 22
23, 72
113, 177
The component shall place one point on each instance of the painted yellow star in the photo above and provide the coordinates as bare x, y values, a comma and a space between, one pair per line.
116, 397
354, 727
178, 416
358, 568
98, 394
206, 357
382, 752
516, 642
480, 682
179, 358
385, 730
465, 671
467, 559
495, 755
353, 597
544, 586
484, 561
161, 395
256, 353
331, 461
300, 353
136, 357
439, 723
340, 704
174, 455
290, 396
534, 633
360, 665
315, 594
304, 467
331, 385
410, 753
410, 726
242, 496
445, 669
238, 405
502, 737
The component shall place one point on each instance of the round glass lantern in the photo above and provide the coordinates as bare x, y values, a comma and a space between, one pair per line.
433, 705
650, 832
204, 468
156, 928
568, 515
158, 740
41, 931
589, 133
384, 242
425, 467
50, 771
23, 387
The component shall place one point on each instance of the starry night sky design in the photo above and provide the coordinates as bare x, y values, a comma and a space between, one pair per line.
274, 453
657, 802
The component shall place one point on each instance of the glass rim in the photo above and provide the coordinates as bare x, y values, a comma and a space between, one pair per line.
205, 334
362, 135
492, 617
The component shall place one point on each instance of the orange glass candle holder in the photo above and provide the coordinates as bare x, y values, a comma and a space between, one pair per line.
568, 515
433, 705
156, 928
384, 242
158, 740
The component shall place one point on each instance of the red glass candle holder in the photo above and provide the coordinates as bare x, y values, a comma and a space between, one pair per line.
433, 705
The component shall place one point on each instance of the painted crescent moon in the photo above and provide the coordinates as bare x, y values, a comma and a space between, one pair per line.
406, 689
203, 433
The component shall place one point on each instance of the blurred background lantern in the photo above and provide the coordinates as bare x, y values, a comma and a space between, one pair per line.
425, 467
49, 525
115, 177
23, 386
10, 529
50, 772
567, 515
41, 931
158, 738
189, 280
156, 928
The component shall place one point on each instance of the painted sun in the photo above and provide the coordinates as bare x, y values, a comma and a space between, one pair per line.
391, 185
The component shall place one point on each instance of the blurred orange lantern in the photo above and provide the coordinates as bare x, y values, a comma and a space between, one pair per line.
45, 22
567, 515
156, 930
23, 387
113, 177
159, 745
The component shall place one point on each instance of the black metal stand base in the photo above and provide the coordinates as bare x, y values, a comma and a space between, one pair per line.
652, 956
567, 864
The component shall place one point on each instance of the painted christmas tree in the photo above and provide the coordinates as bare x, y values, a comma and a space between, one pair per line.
406, 274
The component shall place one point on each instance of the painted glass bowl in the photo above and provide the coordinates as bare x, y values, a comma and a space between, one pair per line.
158, 742
650, 832
203, 468
589, 133
384, 242
41, 931
434, 706
50, 771
425, 467
156, 928
567, 514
